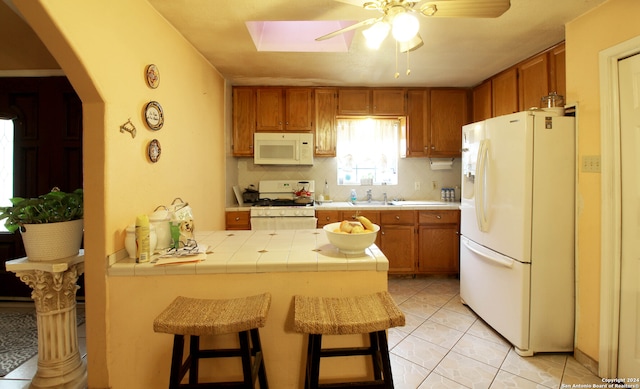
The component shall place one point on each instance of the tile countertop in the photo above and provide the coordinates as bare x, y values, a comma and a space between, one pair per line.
259, 251
375, 205
378, 205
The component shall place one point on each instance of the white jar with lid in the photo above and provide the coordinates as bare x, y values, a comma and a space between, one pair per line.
130, 240
160, 219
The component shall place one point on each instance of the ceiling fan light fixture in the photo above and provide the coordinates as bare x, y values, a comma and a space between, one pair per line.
411, 45
376, 34
405, 27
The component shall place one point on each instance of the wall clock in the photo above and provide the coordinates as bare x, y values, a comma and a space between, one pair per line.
153, 115
153, 76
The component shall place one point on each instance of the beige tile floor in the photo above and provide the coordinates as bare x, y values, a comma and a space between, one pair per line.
443, 345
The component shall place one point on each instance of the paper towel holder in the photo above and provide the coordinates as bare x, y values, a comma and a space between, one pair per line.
441, 163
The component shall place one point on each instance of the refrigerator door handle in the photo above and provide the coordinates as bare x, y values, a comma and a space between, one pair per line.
504, 262
480, 200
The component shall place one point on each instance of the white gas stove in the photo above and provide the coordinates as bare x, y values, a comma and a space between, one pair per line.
284, 204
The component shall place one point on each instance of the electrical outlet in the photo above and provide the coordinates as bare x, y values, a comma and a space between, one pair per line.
590, 164
416, 185
434, 185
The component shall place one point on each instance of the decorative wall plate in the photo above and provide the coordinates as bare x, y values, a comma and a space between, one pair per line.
154, 150
153, 115
153, 76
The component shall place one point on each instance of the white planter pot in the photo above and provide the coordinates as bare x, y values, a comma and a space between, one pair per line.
50, 241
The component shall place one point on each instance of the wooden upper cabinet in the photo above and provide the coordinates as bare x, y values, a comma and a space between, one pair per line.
504, 89
354, 101
482, 101
558, 71
533, 81
244, 121
298, 109
389, 101
449, 111
325, 122
417, 122
279, 109
270, 109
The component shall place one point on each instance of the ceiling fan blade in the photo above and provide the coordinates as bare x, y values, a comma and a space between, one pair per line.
465, 8
351, 27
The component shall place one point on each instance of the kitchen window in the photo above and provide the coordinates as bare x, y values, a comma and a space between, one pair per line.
6, 164
368, 150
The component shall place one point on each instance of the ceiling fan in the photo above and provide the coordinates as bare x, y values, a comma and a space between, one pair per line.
398, 16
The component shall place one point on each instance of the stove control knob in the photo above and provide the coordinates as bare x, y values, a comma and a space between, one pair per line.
282, 213
267, 213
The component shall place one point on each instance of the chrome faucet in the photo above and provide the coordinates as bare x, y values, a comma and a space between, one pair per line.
369, 197
384, 198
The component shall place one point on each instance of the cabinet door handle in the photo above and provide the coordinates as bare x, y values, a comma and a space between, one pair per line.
438, 217
237, 218
397, 217
327, 218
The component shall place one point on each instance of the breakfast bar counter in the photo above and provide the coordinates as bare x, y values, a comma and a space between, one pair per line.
284, 263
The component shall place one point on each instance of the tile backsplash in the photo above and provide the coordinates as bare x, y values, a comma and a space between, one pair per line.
243, 172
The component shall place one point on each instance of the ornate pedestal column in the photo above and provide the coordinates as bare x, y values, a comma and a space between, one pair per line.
54, 288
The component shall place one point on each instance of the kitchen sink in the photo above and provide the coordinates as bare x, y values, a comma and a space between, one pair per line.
420, 203
370, 204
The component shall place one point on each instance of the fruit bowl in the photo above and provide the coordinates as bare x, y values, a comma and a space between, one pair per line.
350, 243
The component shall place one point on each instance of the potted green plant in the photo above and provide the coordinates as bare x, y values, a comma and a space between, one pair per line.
51, 224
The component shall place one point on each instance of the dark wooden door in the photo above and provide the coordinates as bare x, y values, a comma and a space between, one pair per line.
47, 117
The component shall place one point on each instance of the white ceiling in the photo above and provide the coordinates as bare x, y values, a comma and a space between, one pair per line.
457, 52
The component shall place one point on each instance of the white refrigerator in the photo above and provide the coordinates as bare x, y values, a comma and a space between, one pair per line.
517, 228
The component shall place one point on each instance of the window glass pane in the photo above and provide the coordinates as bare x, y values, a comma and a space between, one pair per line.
6, 164
367, 151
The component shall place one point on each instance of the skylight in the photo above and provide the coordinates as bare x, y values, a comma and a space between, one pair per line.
299, 36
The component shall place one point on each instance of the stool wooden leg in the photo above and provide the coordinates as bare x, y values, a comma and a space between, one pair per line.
375, 355
245, 354
194, 355
386, 363
313, 361
176, 361
259, 358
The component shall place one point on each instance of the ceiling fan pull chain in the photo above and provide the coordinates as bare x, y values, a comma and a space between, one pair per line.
408, 67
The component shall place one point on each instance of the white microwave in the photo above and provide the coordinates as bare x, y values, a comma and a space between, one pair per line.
282, 148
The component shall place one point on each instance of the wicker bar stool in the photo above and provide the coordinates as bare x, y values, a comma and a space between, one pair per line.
372, 314
199, 317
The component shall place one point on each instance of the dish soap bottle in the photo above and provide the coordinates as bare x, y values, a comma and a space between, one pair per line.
325, 194
354, 197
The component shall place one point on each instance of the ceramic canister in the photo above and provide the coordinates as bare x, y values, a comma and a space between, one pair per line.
160, 219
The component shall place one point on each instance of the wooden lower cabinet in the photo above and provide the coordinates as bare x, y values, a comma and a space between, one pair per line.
398, 245
328, 217
438, 242
398, 240
237, 220
414, 242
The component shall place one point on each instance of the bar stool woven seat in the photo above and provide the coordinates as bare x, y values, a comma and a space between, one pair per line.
209, 317
372, 314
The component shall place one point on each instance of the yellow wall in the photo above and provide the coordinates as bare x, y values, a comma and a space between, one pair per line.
608, 25
103, 48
